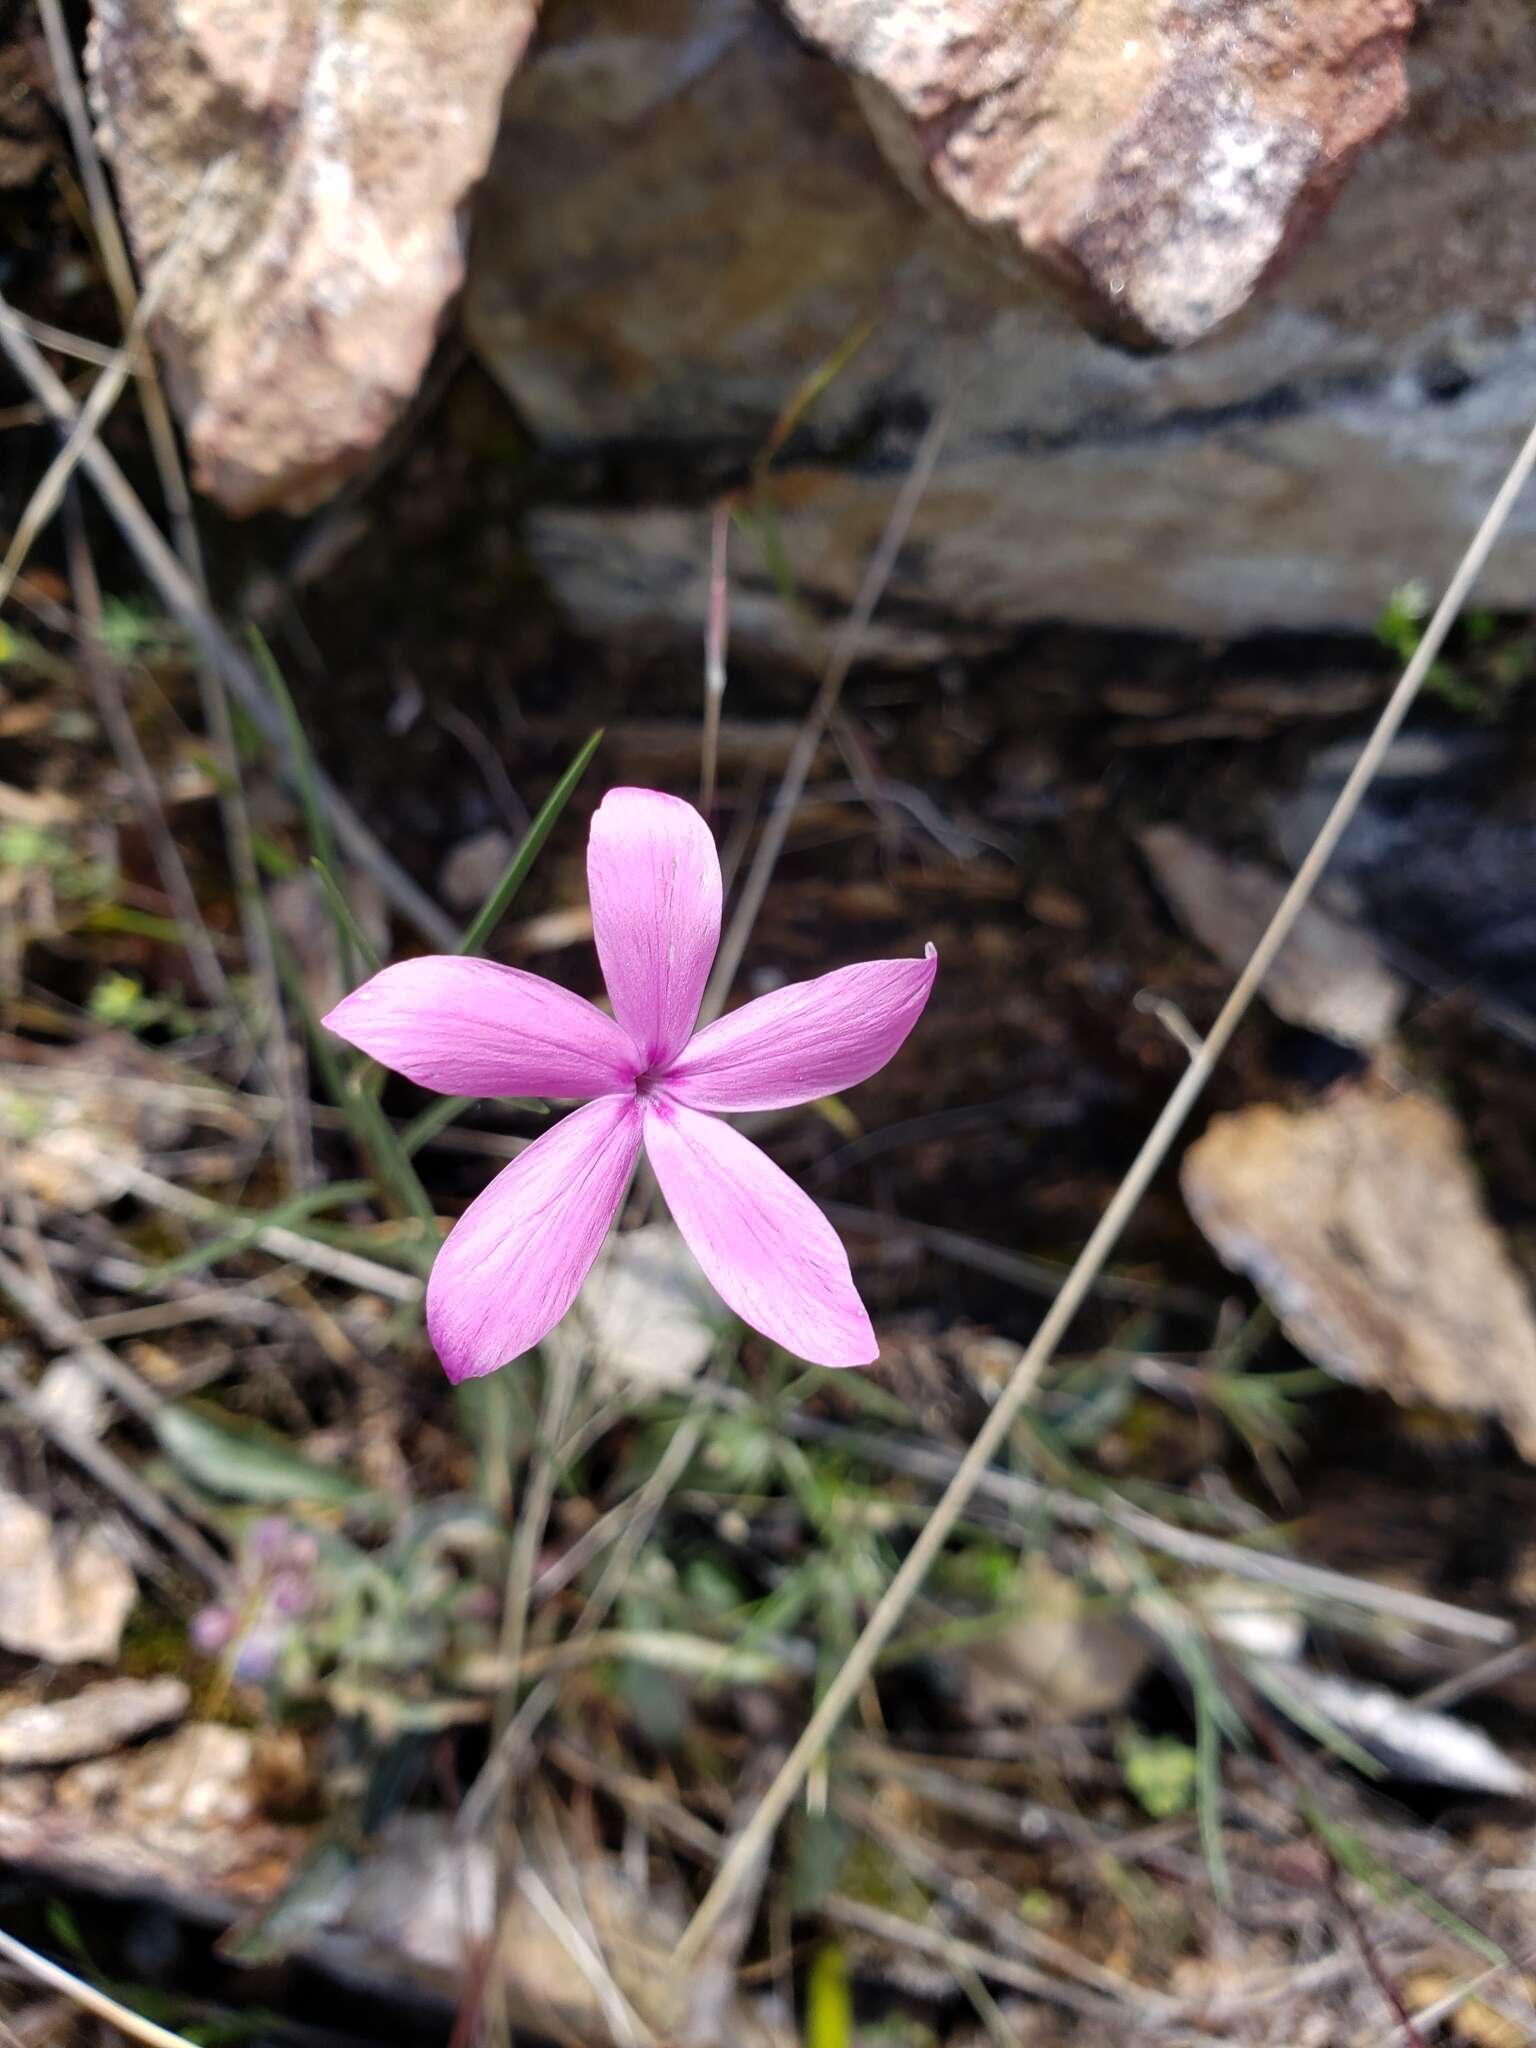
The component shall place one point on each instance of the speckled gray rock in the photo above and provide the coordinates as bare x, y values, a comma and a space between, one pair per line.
688, 212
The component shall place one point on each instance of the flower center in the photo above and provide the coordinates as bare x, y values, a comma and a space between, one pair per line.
648, 1082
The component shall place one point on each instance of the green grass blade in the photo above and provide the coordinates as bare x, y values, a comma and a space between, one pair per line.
342, 917
317, 824
1208, 1797
437, 1116
496, 904
371, 1129
246, 1228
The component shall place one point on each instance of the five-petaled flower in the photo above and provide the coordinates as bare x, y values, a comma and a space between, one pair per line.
513, 1264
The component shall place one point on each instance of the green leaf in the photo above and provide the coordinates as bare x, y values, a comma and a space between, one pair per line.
249, 1465
496, 904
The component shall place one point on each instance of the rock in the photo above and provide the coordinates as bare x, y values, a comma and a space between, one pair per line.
315, 158
647, 1312
1409, 1741
301, 914
64, 1600
179, 1819
688, 214
1437, 861
93, 1722
1160, 161
1328, 976
473, 868
1059, 1660
1362, 1224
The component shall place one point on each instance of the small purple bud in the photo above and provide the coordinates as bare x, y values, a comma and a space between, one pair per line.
212, 1631
256, 1658
269, 1539
290, 1593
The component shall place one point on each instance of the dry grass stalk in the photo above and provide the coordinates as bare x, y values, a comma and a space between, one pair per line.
850, 1679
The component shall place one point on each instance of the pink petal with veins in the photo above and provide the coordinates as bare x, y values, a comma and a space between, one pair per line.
469, 1027
814, 1038
654, 879
765, 1247
515, 1259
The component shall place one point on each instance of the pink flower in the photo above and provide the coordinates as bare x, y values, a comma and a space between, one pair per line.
513, 1263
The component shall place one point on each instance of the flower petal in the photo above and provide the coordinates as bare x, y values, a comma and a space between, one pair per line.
469, 1027
814, 1038
654, 879
514, 1261
765, 1247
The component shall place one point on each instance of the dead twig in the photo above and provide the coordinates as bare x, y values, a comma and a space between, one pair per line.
1021, 1496
351, 1268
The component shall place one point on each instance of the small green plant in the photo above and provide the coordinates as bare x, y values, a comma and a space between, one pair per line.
1492, 665
121, 1002
1161, 1773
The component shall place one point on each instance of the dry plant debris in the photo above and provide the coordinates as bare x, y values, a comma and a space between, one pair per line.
1362, 1222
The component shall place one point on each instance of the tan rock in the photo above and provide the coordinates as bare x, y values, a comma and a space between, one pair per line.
1062, 1659
64, 1599
1362, 1224
94, 1721
1159, 160
320, 154
178, 1818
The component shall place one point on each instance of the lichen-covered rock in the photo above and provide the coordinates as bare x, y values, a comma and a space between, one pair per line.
688, 213
1156, 158
304, 164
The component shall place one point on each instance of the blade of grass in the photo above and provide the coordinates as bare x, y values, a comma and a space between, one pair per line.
342, 917
1208, 1795
247, 1232
437, 1116
182, 597
317, 825
495, 906
371, 1129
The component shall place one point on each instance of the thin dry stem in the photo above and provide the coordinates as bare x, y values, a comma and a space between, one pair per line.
716, 630
844, 654
351, 1268
848, 1682
107, 689
293, 1132
87, 1997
